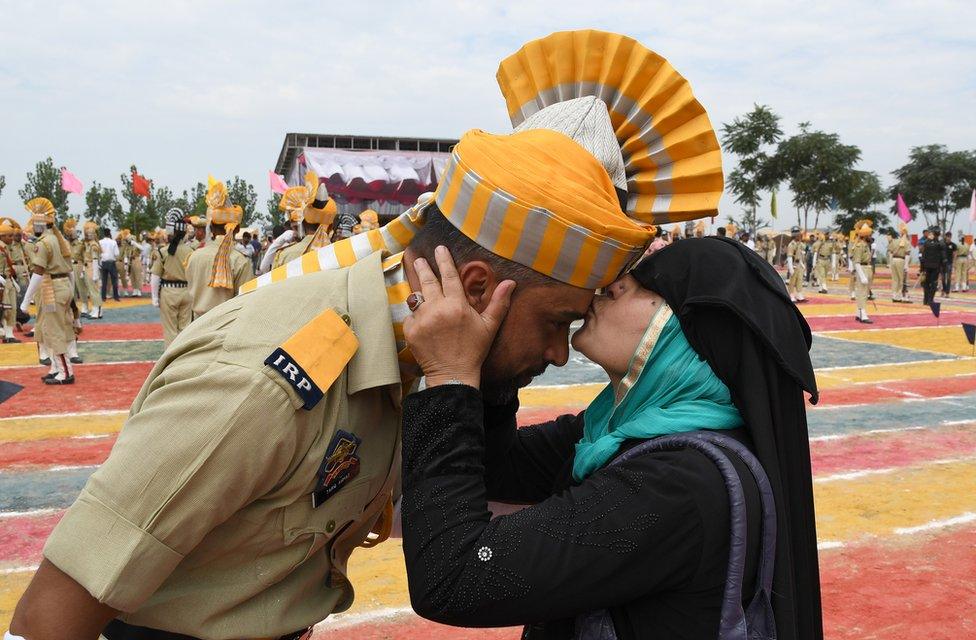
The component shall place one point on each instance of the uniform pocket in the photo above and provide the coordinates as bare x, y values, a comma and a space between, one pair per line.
304, 524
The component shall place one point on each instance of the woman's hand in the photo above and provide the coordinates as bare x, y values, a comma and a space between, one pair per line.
448, 337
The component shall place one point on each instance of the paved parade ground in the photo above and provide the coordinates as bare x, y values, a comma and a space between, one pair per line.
893, 443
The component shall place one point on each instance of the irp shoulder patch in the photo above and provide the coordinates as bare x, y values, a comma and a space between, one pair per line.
314, 356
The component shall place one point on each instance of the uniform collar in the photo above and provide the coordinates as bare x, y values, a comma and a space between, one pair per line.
375, 363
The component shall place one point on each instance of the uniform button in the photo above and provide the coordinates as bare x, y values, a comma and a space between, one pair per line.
330, 526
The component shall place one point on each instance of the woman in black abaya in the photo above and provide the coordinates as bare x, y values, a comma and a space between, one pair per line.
617, 525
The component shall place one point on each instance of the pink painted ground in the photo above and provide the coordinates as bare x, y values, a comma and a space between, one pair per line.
94, 330
22, 538
922, 317
100, 387
895, 449
40, 454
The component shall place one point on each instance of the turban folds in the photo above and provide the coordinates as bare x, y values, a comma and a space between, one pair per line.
220, 212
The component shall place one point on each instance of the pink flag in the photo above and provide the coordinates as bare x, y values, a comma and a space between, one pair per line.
972, 208
278, 184
69, 183
903, 211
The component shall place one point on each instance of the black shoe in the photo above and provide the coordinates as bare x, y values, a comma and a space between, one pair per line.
47, 377
68, 380
76, 360
116, 299
45, 361
10, 340
29, 334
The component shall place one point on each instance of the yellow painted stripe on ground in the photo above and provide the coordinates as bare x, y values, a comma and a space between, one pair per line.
22, 354
948, 339
834, 378
46, 427
379, 576
876, 505
12, 585
569, 396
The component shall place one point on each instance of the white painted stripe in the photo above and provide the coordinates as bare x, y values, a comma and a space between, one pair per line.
11, 570
75, 414
829, 544
854, 475
70, 467
26, 514
93, 436
350, 619
937, 524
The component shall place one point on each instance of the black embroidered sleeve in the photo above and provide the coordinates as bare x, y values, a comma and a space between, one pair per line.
626, 531
522, 465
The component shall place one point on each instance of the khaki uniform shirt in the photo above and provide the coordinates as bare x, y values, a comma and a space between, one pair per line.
201, 520
77, 251
861, 253
48, 255
797, 251
199, 269
19, 256
292, 251
93, 252
171, 267
822, 250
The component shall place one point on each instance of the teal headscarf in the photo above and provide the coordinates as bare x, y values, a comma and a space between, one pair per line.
668, 389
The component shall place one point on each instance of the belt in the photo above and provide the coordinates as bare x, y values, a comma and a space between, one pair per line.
58, 275
118, 630
181, 284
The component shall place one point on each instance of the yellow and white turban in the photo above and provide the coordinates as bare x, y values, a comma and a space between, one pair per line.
299, 203
7, 225
863, 228
650, 133
90, 228
69, 225
42, 211
604, 126
219, 212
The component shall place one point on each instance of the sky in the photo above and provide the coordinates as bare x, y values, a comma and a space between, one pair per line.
183, 89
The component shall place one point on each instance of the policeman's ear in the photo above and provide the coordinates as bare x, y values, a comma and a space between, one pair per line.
478, 281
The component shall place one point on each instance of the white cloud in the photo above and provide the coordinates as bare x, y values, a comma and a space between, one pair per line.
187, 88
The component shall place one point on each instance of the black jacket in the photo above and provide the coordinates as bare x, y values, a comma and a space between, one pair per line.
647, 538
933, 254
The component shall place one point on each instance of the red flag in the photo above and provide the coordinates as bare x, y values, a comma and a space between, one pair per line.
140, 186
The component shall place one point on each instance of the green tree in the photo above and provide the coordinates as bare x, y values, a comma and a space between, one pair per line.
937, 182
45, 182
138, 217
817, 167
99, 203
860, 201
160, 201
193, 202
275, 216
242, 193
749, 137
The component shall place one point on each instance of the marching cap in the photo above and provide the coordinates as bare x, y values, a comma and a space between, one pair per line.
299, 202
7, 225
42, 211
794, 229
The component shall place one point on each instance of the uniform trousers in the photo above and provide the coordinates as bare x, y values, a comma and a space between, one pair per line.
897, 277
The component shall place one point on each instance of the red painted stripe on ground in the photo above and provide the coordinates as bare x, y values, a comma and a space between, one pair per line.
898, 390
895, 449
923, 588
95, 330
412, 627
35, 454
22, 538
922, 318
99, 387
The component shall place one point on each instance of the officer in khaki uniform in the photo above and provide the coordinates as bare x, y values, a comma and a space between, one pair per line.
51, 283
91, 271
215, 273
960, 264
196, 235
796, 266
134, 249
9, 285
238, 521
18, 255
862, 268
898, 251
821, 254
311, 213
168, 279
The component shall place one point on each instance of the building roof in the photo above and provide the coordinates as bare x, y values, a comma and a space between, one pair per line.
296, 143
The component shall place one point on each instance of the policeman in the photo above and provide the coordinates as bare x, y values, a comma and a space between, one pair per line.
862, 268
168, 278
239, 522
795, 261
898, 249
369, 219
311, 213
51, 283
948, 261
822, 250
18, 255
196, 235
215, 272
91, 269
9, 286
